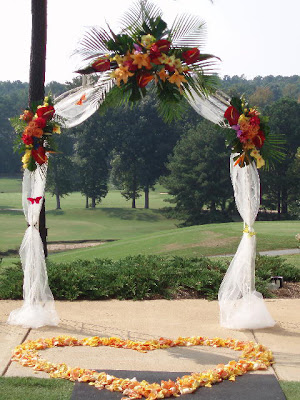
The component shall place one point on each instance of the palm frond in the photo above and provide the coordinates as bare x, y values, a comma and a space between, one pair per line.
273, 150
202, 84
141, 12
187, 31
101, 89
93, 43
116, 97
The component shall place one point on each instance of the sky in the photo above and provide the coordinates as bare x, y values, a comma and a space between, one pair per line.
252, 37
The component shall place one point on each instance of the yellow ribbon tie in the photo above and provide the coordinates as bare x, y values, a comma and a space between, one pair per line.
246, 230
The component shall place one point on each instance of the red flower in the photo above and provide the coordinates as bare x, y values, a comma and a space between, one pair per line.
45, 112
258, 140
39, 155
169, 68
191, 56
144, 78
232, 115
131, 67
27, 116
163, 46
41, 122
102, 64
154, 55
254, 120
27, 139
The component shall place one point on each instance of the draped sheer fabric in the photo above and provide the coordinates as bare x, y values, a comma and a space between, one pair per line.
241, 306
211, 107
77, 105
38, 307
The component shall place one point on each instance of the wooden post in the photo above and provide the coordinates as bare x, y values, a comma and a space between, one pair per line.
37, 77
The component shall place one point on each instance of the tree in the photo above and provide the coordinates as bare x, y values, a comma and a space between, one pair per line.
92, 158
61, 177
279, 185
261, 97
199, 173
141, 146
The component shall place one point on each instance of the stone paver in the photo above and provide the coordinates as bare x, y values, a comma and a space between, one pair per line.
141, 320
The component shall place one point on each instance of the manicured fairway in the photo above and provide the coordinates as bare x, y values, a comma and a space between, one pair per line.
134, 231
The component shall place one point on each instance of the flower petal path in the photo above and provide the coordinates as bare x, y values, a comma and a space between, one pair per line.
254, 357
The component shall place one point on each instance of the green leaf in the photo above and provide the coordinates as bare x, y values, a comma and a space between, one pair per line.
237, 103
273, 150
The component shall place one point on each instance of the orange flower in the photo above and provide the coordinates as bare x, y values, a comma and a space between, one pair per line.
163, 75
33, 130
141, 60
177, 78
121, 74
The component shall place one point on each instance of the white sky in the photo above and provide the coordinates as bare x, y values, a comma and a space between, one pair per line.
252, 37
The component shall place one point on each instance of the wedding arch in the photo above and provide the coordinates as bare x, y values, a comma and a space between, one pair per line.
122, 67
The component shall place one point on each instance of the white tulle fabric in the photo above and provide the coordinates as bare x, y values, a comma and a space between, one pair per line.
211, 107
77, 105
38, 306
72, 113
241, 306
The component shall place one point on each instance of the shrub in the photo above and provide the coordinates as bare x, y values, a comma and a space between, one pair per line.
142, 277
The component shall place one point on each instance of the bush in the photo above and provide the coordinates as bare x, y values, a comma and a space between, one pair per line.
142, 277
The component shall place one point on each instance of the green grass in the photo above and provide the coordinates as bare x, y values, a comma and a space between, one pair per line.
55, 389
203, 240
112, 219
135, 231
290, 389
10, 185
35, 389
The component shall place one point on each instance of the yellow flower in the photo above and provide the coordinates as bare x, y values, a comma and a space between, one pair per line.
243, 119
163, 58
177, 64
177, 78
26, 158
141, 60
260, 162
56, 129
171, 61
121, 74
148, 40
118, 59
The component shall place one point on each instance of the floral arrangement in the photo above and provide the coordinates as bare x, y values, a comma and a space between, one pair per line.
250, 132
35, 128
147, 51
254, 357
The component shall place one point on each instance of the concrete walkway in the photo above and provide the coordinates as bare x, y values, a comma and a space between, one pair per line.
284, 252
141, 320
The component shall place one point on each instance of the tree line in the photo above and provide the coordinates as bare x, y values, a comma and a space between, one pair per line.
132, 149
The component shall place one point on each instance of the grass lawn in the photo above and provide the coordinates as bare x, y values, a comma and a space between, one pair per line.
113, 219
291, 389
56, 389
203, 240
10, 185
35, 389
135, 231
